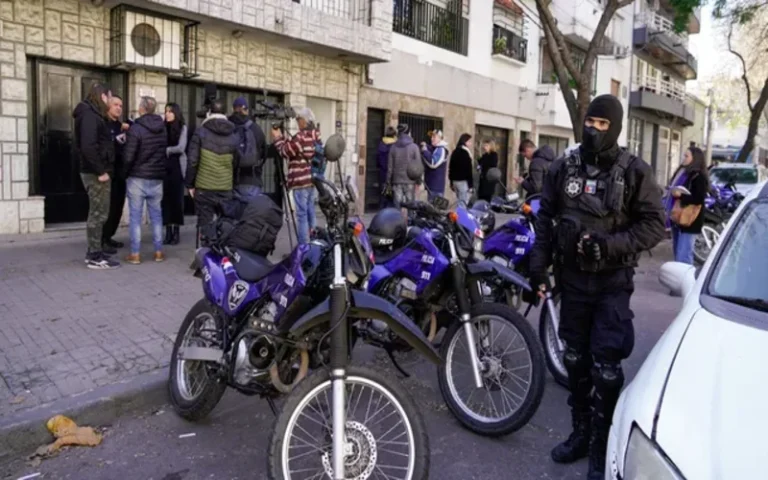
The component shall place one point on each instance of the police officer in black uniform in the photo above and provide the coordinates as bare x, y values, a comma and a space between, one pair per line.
600, 207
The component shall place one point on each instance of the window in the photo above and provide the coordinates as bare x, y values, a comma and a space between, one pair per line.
558, 144
615, 88
741, 272
635, 136
723, 175
548, 69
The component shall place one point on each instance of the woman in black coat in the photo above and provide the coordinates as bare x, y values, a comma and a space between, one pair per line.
176, 166
692, 175
460, 169
489, 160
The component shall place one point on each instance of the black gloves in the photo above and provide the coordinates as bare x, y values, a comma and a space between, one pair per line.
538, 279
593, 247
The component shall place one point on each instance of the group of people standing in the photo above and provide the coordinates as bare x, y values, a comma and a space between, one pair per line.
152, 160
142, 160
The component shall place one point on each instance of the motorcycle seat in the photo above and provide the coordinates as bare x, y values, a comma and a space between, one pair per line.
250, 266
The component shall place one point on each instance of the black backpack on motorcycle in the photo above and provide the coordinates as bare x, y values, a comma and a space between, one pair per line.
251, 225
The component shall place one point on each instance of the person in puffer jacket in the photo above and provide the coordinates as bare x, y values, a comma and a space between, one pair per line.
542, 159
212, 160
436, 161
144, 168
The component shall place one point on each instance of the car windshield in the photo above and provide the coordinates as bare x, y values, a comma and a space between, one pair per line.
733, 175
741, 273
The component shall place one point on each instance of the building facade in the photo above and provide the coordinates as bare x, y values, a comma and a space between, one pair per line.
303, 52
458, 66
577, 22
660, 109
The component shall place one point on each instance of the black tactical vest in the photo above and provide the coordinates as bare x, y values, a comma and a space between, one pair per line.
592, 200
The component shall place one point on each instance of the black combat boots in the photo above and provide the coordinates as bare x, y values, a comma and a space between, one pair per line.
576, 446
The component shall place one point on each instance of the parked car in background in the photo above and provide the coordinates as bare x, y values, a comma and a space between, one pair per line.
744, 176
696, 409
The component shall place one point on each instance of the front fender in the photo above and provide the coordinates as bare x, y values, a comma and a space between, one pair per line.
489, 268
366, 305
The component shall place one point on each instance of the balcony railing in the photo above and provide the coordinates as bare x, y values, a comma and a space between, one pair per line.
509, 44
355, 10
667, 88
659, 23
438, 26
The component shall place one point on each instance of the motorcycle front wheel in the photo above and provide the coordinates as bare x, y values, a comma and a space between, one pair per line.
552, 353
511, 366
705, 242
386, 434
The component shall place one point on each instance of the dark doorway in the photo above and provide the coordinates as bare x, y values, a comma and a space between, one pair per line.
57, 176
374, 131
189, 96
500, 137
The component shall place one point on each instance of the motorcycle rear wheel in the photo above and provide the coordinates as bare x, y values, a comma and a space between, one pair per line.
552, 353
365, 452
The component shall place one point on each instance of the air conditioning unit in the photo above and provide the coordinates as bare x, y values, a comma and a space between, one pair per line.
620, 51
145, 39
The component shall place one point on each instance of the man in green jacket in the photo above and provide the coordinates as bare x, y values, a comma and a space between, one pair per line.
212, 163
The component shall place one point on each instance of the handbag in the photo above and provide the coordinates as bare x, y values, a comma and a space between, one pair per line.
684, 216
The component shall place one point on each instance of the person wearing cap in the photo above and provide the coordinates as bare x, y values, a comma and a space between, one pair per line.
248, 176
607, 209
299, 152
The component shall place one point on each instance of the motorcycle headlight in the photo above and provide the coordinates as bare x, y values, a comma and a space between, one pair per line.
644, 460
477, 245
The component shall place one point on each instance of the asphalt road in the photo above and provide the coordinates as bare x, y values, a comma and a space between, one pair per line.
232, 443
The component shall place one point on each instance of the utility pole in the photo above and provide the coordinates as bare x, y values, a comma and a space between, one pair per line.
710, 127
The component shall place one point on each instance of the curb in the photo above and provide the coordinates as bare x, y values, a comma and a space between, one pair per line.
22, 433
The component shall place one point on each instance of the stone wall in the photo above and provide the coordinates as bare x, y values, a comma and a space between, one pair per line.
58, 29
67, 30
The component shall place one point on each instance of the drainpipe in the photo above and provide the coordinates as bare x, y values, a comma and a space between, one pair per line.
631, 73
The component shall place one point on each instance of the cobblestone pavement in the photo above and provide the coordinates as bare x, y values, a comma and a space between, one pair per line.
67, 329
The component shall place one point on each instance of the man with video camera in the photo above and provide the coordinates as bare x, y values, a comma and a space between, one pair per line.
213, 159
299, 152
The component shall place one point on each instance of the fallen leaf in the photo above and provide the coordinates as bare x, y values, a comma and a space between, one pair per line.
16, 400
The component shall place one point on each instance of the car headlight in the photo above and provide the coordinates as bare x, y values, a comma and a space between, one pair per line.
645, 461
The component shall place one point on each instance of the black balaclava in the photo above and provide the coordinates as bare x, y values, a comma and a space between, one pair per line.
601, 147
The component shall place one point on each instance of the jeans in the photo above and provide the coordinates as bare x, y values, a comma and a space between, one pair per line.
98, 209
682, 245
462, 191
139, 190
304, 199
247, 192
402, 193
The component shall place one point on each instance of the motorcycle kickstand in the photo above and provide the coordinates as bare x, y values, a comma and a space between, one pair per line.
397, 365
272, 406
528, 310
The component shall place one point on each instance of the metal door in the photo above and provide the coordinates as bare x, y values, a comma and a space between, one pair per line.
501, 137
421, 125
374, 131
57, 176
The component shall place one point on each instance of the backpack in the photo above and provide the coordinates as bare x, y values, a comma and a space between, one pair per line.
319, 163
249, 156
251, 225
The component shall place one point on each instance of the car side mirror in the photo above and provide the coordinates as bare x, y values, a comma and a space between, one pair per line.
678, 277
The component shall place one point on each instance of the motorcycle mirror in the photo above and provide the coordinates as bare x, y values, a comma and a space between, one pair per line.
334, 147
493, 175
415, 170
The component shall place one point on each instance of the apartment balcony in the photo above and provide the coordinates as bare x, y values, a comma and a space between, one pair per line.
356, 30
694, 23
509, 45
551, 110
664, 98
429, 23
656, 35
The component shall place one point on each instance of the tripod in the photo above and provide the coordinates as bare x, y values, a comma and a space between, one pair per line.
290, 217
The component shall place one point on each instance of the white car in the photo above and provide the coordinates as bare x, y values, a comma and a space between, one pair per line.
744, 176
698, 407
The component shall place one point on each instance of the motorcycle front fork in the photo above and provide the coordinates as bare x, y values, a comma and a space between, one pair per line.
463, 302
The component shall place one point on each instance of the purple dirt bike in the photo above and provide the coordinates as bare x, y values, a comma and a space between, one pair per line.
261, 327
431, 271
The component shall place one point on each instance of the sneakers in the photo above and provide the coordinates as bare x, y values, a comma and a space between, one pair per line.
99, 261
133, 258
159, 257
108, 249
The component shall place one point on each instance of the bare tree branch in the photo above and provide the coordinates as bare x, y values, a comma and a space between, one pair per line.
743, 67
558, 44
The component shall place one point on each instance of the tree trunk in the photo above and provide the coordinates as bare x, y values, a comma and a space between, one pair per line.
754, 123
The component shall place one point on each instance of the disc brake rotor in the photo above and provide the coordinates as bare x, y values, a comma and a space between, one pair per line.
359, 453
